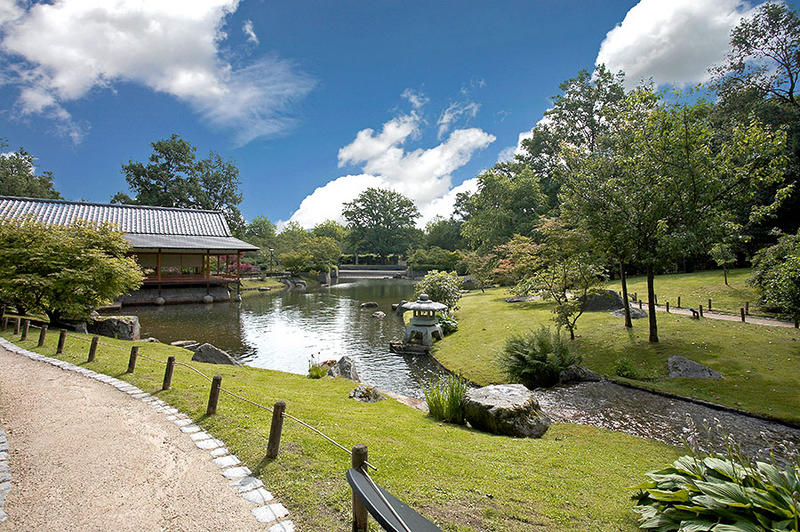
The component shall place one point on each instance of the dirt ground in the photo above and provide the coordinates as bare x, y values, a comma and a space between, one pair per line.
85, 456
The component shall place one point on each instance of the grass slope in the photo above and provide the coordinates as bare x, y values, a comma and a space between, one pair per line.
759, 363
575, 478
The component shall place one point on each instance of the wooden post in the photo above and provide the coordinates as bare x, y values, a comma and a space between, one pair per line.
213, 395
26, 325
93, 348
42, 335
168, 373
5, 322
667, 306
795, 324
640, 304
2, 311
635, 296
274, 443
132, 360
747, 307
360, 516
709, 304
655, 299
679, 301
62, 339
701, 311
16, 325
741, 311
158, 265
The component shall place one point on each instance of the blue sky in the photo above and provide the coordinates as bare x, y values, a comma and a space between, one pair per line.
287, 89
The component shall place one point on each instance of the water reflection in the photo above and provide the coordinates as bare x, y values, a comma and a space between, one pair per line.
284, 330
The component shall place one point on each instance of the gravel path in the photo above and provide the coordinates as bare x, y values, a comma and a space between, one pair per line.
84, 455
713, 315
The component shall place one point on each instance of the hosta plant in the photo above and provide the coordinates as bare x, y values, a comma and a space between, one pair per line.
720, 494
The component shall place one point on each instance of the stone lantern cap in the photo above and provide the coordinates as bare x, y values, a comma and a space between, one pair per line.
424, 303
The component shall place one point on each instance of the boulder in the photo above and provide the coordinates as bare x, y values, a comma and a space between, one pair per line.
603, 300
184, 343
160, 301
508, 409
213, 355
366, 394
152, 340
682, 367
469, 283
575, 373
208, 298
379, 314
369, 304
521, 299
346, 368
122, 327
636, 313
300, 284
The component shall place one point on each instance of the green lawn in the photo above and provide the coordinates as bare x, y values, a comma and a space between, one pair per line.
759, 363
575, 478
697, 288
269, 282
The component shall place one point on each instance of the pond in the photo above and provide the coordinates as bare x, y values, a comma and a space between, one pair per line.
284, 330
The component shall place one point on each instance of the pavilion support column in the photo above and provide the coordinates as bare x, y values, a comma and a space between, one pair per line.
158, 265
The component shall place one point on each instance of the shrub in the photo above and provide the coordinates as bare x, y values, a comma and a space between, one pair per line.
316, 371
448, 324
720, 493
445, 398
443, 287
624, 367
536, 358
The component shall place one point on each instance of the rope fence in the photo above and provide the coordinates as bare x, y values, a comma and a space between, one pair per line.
22, 327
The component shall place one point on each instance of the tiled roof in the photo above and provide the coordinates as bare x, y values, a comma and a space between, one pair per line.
131, 219
211, 243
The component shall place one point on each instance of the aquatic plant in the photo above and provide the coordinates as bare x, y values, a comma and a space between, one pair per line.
536, 358
445, 398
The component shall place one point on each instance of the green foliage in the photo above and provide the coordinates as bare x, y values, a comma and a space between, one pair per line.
332, 229
624, 367
17, 176
381, 221
481, 267
173, 177
370, 258
776, 271
720, 493
444, 233
324, 252
445, 399
295, 262
536, 358
442, 287
436, 257
448, 324
316, 371
65, 272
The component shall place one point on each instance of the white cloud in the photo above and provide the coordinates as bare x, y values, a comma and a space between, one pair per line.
66, 48
671, 42
453, 112
416, 98
424, 175
248, 30
507, 154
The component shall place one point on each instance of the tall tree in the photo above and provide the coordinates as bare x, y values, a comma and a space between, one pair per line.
444, 233
173, 177
18, 176
381, 221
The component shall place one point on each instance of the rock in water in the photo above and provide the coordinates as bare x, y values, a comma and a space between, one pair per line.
122, 327
603, 300
379, 314
509, 409
346, 368
213, 355
576, 373
681, 367
369, 304
636, 313
366, 394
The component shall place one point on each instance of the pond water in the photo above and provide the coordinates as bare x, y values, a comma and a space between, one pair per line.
284, 330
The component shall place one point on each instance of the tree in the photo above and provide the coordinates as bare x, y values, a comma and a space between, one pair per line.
331, 229
18, 177
291, 238
173, 177
777, 273
444, 233
295, 262
65, 272
480, 267
324, 252
381, 221
724, 257
260, 232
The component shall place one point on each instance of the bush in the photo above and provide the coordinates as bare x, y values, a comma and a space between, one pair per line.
536, 359
316, 371
445, 399
443, 287
624, 367
448, 324
720, 493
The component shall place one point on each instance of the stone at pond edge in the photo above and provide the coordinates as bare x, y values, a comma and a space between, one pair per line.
508, 409
575, 373
603, 300
208, 298
379, 314
121, 327
213, 355
681, 367
635, 313
346, 368
183, 343
366, 394
369, 304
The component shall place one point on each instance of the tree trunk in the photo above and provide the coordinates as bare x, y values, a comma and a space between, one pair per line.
651, 305
571, 333
625, 301
725, 273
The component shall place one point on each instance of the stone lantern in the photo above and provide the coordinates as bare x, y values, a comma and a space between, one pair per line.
423, 327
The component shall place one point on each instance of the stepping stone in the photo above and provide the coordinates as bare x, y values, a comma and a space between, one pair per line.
226, 461
188, 429
197, 436
182, 422
257, 496
4, 467
233, 473
3, 455
171, 410
221, 451
269, 513
209, 444
5, 477
142, 395
283, 526
246, 484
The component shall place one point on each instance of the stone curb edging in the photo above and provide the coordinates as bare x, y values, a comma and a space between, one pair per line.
268, 511
5, 474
